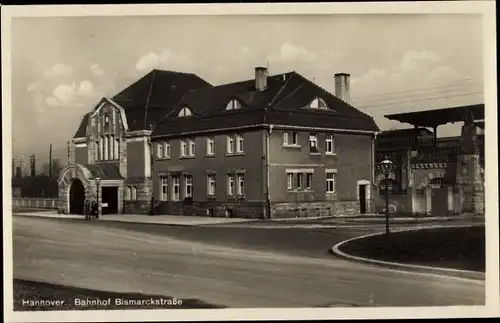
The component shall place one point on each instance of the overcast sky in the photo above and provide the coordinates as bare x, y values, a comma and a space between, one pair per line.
61, 67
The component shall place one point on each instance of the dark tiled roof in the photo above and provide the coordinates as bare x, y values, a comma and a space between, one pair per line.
104, 171
151, 97
82, 128
281, 103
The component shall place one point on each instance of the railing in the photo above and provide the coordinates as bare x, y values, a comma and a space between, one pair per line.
38, 203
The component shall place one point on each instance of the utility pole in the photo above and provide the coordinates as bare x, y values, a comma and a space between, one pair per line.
69, 152
33, 165
50, 161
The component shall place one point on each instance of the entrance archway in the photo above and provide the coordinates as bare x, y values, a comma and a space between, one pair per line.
76, 197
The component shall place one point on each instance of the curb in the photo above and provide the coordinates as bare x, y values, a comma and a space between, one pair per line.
467, 274
81, 218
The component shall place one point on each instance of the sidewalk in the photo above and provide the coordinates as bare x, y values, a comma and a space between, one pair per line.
178, 220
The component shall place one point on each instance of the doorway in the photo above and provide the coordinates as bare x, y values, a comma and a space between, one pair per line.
362, 199
76, 197
109, 200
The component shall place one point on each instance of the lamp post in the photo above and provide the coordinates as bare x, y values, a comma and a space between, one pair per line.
98, 182
386, 166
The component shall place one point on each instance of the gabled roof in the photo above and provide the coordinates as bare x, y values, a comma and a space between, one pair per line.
282, 102
151, 97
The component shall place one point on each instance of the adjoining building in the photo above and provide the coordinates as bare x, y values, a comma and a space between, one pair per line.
434, 176
270, 146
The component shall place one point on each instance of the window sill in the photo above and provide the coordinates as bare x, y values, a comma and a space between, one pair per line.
235, 154
211, 197
187, 157
164, 158
330, 154
236, 197
209, 155
315, 154
300, 190
331, 193
292, 146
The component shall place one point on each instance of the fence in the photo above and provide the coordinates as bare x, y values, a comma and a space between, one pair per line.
37, 203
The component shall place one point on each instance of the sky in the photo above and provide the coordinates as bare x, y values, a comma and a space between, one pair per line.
62, 66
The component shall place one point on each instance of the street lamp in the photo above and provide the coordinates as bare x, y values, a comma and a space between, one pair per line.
98, 182
386, 166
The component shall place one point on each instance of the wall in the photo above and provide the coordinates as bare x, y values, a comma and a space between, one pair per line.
81, 155
136, 149
352, 161
251, 162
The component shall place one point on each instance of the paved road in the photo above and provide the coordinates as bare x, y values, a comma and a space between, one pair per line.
278, 268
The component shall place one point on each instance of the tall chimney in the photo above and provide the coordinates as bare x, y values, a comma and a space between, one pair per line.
343, 87
260, 78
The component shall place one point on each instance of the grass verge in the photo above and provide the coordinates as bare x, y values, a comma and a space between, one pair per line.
37, 296
460, 248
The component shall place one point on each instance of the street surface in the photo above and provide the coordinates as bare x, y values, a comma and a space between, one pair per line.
222, 265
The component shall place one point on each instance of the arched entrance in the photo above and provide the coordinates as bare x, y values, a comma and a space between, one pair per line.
76, 197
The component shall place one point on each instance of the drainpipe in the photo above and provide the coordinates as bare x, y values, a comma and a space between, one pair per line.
373, 155
151, 151
268, 192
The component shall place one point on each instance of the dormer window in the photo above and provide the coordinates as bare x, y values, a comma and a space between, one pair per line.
185, 112
318, 103
233, 105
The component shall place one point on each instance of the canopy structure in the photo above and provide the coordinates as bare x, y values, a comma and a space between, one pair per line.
438, 117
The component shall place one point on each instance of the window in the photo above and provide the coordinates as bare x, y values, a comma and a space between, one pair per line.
185, 112
233, 105
309, 180
159, 150
329, 144
239, 143
230, 145
210, 146
211, 185
96, 150
300, 177
241, 184
166, 150
176, 188
230, 185
330, 182
290, 139
289, 181
313, 143
184, 148
191, 147
111, 148
116, 147
188, 186
106, 123
106, 155
163, 188
318, 104
133, 193
126, 193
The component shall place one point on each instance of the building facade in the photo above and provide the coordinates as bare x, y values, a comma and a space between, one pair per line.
434, 176
271, 146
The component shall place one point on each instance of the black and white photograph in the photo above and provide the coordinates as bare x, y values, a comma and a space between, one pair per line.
250, 161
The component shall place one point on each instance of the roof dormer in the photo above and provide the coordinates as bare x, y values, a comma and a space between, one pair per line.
233, 105
318, 103
185, 112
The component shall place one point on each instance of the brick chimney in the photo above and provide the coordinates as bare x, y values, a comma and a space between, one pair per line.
260, 78
343, 87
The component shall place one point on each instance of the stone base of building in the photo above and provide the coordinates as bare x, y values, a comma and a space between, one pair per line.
315, 209
237, 209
